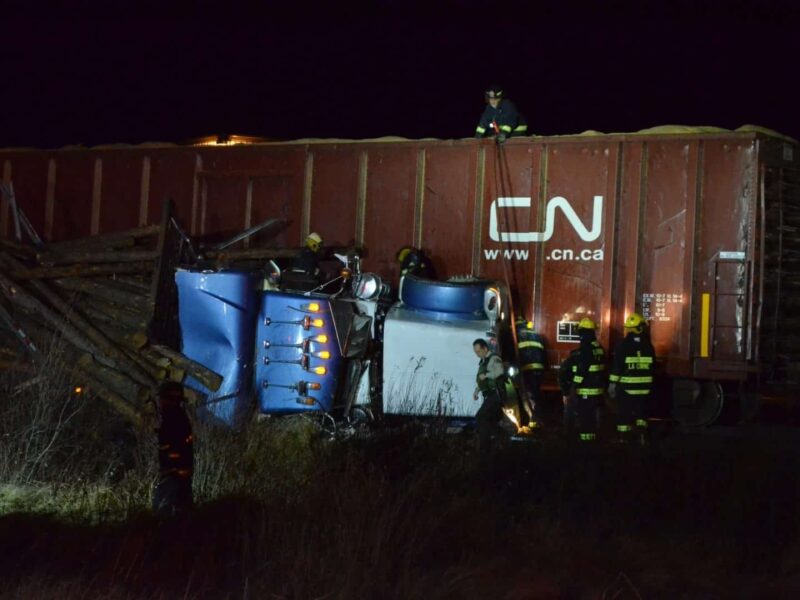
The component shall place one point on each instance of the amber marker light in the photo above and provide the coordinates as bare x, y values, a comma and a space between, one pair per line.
319, 370
322, 339
324, 354
308, 322
305, 386
313, 307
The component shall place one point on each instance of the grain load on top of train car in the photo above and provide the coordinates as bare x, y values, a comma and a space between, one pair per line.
693, 228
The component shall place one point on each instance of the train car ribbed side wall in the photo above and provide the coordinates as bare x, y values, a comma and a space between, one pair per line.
599, 226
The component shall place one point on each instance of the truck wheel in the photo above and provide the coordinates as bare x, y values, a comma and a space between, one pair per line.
443, 296
360, 416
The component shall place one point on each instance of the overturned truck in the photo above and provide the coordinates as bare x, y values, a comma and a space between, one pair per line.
694, 228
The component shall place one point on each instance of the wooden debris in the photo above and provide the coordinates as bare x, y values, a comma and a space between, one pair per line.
206, 376
98, 294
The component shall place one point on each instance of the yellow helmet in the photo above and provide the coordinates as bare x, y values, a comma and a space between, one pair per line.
521, 322
403, 253
634, 321
314, 241
586, 323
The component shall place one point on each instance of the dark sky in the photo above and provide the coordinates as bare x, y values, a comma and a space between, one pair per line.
149, 73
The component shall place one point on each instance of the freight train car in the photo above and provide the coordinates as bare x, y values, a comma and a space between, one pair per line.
695, 228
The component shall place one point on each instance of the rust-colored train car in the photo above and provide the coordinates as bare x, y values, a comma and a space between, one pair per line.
695, 229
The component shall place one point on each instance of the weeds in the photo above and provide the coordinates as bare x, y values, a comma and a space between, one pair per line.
405, 513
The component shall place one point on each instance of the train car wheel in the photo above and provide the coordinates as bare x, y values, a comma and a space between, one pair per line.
697, 403
742, 403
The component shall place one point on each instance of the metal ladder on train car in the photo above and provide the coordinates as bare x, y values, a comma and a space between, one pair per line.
732, 341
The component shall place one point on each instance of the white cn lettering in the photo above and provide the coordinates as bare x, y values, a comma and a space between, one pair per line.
587, 235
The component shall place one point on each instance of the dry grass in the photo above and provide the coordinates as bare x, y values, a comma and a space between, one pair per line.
285, 513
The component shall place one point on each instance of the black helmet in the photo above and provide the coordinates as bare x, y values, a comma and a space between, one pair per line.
494, 91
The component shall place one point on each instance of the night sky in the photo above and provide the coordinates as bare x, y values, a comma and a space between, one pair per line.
149, 73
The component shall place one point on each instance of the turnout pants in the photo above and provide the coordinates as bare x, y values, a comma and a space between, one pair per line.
632, 410
532, 381
172, 494
581, 413
487, 420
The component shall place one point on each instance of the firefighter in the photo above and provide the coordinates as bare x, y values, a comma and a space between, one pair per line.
532, 361
307, 261
489, 380
304, 274
413, 261
631, 378
582, 380
500, 118
173, 491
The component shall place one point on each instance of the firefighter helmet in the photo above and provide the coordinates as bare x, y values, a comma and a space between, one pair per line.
587, 323
522, 323
403, 253
494, 92
635, 321
314, 241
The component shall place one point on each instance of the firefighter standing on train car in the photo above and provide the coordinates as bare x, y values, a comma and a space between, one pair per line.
631, 378
532, 361
500, 118
583, 382
414, 261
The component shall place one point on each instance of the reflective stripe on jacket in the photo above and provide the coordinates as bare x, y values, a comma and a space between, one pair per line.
634, 361
508, 119
589, 372
530, 350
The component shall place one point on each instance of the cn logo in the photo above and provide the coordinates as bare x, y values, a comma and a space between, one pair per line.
558, 202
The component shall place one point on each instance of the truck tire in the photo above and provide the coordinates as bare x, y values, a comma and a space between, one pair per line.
444, 296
